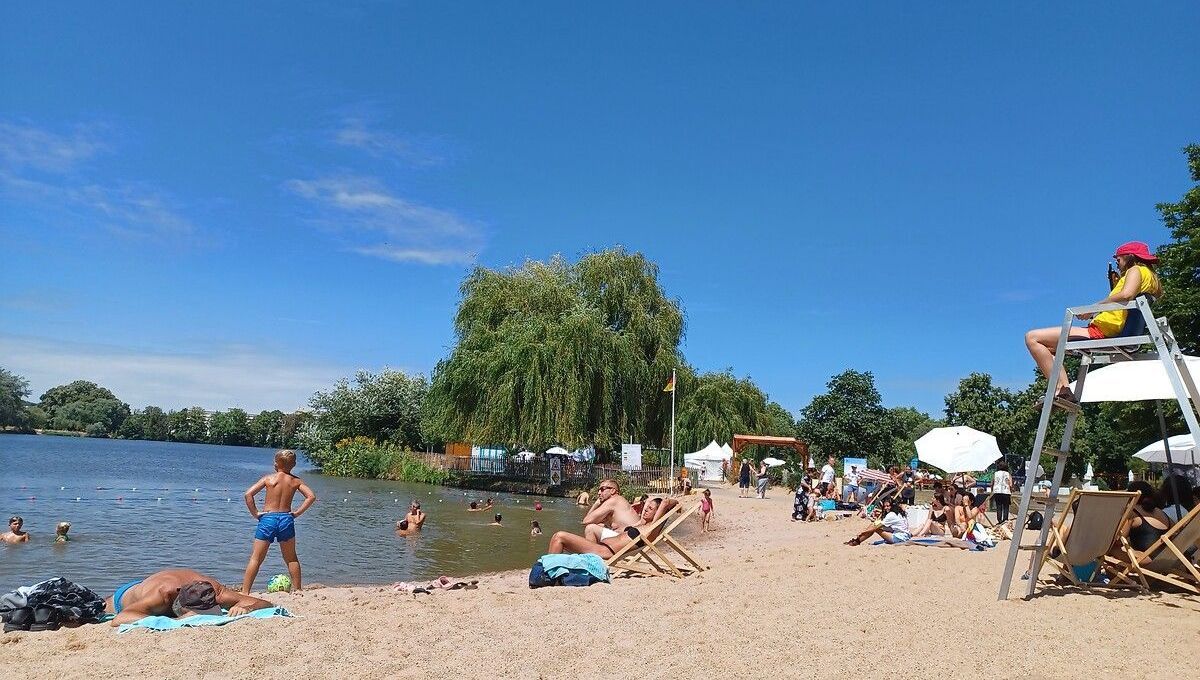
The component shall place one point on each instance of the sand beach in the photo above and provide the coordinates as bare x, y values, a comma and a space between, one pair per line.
780, 598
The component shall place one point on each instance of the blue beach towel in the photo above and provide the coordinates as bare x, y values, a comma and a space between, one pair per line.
559, 565
168, 623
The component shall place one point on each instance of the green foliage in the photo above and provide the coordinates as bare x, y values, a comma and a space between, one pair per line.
559, 353
987, 407
108, 414
384, 407
230, 427
150, 423
266, 429
1179, 268
908, 425
188, 425
80, 404
96, 430
13, 390
364, 457
718, 406
848, 420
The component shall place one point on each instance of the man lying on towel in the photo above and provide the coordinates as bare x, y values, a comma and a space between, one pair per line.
177, 593
655, 508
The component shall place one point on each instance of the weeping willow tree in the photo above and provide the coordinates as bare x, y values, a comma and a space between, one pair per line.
558, 353
719, 405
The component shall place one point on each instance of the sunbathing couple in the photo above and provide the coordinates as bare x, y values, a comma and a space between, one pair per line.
611, 523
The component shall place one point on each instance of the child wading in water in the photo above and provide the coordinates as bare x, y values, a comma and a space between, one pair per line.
706, 511
60, 532
277, 521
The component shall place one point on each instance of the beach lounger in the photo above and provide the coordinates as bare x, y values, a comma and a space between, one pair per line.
1167, 558
647, 555
1096, 518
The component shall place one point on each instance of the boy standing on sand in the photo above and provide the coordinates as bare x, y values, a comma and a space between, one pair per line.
277, 521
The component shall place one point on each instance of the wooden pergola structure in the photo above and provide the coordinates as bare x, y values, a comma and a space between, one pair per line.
741, 441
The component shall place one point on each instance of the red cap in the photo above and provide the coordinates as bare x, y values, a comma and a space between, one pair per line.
1138, 249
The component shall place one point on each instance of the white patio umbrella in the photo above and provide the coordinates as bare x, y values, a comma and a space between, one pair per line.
525, 455
557, 451
1183, 451
1132, 381
772, 462
958, 449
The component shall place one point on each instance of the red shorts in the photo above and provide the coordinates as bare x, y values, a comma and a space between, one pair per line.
1095, 333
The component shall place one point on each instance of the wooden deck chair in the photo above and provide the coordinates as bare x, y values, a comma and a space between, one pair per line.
1096, 520
1167, 559
646, 556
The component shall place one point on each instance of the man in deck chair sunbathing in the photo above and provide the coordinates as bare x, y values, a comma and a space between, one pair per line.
655, 508
610, 514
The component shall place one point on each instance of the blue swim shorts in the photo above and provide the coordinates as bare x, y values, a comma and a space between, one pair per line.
276, 526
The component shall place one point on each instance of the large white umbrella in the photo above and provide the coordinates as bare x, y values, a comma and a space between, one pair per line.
1132, 381
1183, 451
772, 462
526, 455
958, 449
557, 451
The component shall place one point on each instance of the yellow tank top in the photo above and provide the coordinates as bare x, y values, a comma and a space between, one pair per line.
1111, 323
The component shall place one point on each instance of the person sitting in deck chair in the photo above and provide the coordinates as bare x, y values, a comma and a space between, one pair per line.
1137, 277
565, 542
609, 514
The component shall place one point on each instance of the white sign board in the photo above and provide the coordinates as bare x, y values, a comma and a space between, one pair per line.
631, 456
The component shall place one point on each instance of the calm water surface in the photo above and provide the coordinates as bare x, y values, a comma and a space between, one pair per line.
137, 507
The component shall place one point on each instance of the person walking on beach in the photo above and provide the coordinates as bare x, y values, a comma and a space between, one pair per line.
706, 511
277, 521
14, 533
1002, 492
1136, 267
744, 479
762, 479
827, 476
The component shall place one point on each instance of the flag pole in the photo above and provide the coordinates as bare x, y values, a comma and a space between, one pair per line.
673, 387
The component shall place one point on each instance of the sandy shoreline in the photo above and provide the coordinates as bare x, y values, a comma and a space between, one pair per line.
798, 601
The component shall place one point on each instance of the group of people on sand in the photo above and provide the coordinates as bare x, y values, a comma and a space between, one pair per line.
611, 523
17, 534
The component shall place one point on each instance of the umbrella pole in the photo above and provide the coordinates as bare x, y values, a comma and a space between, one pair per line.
1162, 426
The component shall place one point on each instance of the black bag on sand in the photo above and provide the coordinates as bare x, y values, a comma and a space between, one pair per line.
1034, 521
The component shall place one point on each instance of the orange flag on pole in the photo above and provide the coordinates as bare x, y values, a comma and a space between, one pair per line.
670, 384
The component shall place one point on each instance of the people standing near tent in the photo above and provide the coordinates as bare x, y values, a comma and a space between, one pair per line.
850, 485
827, 476
1137, 277
744, 478
1002, 491
762, 479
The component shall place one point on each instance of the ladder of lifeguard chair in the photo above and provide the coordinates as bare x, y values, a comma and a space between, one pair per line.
1093, 352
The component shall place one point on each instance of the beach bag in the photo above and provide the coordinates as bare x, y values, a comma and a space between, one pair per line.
1034, 521
538, 578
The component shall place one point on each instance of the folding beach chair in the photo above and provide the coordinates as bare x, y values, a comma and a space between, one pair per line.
1167, 557
645, 555
1096, 519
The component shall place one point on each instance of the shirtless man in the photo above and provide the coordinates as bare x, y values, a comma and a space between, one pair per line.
177, 593
416, 516
609, 515
14, 533
564, 542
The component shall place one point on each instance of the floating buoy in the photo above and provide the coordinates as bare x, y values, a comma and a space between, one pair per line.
77, 498
226, 500
134, 489
159, 500
395, 500
345, 499
33, 498
120, 498
349, 491
62, 488
196, 490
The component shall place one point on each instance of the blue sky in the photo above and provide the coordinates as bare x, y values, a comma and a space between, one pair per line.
233, 205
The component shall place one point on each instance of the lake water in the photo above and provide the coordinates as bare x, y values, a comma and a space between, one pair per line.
137, 507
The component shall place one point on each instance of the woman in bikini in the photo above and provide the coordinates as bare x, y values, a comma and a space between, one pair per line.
1148, 522
935, 525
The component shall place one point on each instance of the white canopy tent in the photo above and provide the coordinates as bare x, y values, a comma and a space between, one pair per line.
707, 461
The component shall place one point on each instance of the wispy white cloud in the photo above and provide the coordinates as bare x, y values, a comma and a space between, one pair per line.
377, 223
53, 173
355, 133
217, 378
23, 146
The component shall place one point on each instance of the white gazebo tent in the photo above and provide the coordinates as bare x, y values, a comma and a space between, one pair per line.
707, 461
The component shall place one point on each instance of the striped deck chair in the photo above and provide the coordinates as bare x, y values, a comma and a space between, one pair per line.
647, 554
1078, 550
1166, 559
